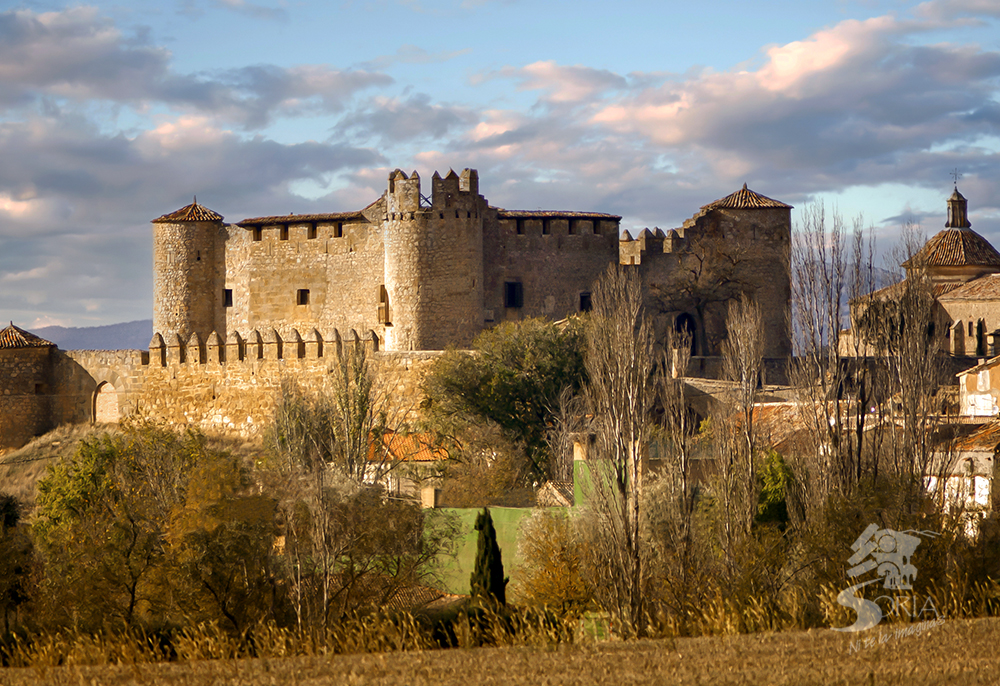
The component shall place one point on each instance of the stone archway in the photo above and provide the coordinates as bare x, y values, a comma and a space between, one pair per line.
686, 324
106, 410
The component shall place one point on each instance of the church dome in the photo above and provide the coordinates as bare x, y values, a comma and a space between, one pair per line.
956, 248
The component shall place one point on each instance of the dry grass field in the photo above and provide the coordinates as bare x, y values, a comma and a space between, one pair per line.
957, 652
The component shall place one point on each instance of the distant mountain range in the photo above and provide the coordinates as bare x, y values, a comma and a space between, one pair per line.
125, 336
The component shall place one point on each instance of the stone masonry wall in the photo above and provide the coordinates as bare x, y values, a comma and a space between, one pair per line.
553, 267
234, 397
342, 275
25, 394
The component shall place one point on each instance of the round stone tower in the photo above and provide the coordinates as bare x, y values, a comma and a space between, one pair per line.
434, 261
186, 290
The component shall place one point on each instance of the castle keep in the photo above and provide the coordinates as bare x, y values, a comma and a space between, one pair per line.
238, 307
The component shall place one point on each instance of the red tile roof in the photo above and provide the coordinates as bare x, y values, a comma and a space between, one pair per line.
987, 438
190, 213
14, 337
745, 199
982, 288
956, 248
417, 447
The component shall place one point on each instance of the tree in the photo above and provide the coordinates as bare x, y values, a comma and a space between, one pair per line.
343, 425
620, 394
100, 522
514, 379
15, 558
736, 441
488, 584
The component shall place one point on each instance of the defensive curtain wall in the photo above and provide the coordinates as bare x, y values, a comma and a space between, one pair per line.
239, 307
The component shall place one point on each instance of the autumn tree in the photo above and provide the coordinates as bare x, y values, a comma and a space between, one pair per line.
620, 395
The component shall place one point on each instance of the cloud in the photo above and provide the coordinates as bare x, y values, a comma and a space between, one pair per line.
77, 56
75, 210
411, 54
393, 120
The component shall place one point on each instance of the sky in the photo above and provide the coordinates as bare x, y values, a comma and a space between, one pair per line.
114, 113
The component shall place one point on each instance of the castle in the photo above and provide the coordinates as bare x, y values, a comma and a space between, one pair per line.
238, 307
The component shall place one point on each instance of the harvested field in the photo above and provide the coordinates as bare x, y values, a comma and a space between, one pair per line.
955, 652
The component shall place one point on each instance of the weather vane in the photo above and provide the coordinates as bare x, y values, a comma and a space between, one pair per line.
955, 176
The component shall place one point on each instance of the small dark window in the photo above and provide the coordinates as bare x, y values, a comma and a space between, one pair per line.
39, 389
227, 297
383, 306
585, 304
302, 297
258, 234
597, 226
312, 231
520, 226
338, 230
571, 226
284, 233
545, 227
513, 294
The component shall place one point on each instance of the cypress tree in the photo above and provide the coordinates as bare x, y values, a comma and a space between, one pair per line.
488, 581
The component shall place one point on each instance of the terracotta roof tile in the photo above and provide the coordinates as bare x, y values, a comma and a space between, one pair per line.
745, 199
417, 447
982, 288
956, 248
14, 337
190, 213
302, 219
987, 438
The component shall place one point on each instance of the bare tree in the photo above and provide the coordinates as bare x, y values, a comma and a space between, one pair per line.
620, 364
742, 360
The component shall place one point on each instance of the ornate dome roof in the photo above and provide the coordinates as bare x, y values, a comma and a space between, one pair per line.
956, 248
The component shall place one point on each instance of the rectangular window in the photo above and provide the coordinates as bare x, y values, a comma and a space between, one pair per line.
597, 226
302, 296
227, 297
545, 227
520, 226
383, 306
338, 230
585, 304
571, 226
284, 233
258, 234
513, 295
312, 231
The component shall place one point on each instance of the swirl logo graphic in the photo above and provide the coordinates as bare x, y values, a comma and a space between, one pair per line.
890, 553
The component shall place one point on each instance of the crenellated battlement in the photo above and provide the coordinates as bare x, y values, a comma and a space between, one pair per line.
648, 243
254, 347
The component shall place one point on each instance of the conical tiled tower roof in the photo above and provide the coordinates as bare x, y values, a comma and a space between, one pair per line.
13, 337
745, 199
190, 213
956, 248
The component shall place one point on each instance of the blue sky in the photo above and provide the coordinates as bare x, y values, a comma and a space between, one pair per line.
112, 114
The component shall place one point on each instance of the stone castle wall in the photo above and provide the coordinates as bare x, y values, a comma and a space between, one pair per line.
229, 396
288, 280
555, 259
25, 395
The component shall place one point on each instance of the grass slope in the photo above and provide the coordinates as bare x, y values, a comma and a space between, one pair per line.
956, 652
